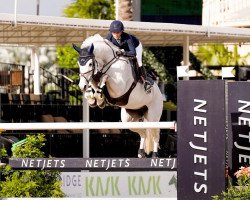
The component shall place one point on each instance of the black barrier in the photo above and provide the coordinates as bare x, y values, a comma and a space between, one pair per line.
201, 139
94, 164
239, 122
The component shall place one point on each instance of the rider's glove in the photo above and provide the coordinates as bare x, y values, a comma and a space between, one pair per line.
120, 52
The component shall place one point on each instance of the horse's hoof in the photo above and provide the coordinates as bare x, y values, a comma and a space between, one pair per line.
102, 105
141, 153
154, 155
93, 105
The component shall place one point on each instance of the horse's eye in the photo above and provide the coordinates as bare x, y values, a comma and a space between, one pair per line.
90, 64
82, 60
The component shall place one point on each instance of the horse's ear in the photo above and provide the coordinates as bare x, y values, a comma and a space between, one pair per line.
91, 49
76, 48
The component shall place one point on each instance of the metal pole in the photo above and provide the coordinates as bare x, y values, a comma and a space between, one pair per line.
36, 68
37, 7
186, 53
15, 12
85, 136
85, 114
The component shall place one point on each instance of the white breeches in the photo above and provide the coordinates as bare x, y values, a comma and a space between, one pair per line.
139, 54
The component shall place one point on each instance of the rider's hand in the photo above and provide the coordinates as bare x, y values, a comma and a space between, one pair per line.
120, 52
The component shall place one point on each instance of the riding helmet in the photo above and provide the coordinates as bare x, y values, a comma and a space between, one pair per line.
116, 26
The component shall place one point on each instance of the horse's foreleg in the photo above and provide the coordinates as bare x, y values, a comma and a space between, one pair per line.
103, 81
89, 95
99, 96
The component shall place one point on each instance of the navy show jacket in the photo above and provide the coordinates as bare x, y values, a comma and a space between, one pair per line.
128, 43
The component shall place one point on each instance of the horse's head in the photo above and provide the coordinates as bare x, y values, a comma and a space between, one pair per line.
87, 65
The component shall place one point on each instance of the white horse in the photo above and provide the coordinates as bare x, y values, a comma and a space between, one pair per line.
106, 77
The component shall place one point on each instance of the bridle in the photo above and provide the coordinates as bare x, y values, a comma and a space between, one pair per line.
96, 76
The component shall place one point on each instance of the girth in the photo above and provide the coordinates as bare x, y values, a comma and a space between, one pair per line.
119, 101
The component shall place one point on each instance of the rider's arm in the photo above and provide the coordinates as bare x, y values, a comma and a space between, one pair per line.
131, 52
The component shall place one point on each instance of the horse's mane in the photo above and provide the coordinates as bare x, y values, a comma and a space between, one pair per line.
90, 40
97, 38
111, 44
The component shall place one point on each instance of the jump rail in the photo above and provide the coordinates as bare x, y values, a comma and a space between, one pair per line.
64, 164
86, 125
93, 164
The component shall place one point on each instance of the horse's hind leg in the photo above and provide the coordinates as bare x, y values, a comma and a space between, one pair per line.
156, 138
141, 151
132, 116
153, 135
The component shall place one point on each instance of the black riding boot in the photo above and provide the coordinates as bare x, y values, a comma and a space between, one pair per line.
147, 81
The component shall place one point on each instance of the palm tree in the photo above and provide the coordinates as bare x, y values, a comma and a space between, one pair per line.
125, 10
214, 55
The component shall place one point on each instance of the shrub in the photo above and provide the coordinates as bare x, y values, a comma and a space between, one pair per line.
30, 183
240, 192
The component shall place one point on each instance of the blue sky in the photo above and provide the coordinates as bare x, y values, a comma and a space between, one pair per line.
28, 7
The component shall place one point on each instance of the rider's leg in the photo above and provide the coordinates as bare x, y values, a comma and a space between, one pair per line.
147, 83
139, 54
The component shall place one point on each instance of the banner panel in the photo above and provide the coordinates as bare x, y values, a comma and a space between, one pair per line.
201, 139
239, 122
120, 184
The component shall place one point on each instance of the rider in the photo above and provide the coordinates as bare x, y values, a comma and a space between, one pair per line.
130, 46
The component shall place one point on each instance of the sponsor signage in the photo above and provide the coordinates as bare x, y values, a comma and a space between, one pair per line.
239, 125
120, 184
105, 164
201, 139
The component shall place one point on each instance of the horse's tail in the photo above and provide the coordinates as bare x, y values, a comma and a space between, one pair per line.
149, 144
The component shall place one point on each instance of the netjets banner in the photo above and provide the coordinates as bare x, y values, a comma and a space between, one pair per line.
105, 164
239, 122
201, 139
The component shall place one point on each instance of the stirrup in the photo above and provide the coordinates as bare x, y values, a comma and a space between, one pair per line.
147, 86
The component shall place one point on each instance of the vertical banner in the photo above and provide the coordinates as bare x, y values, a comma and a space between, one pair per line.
239, 122
201, 139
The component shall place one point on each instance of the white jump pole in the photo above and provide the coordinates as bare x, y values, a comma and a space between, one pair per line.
86, 125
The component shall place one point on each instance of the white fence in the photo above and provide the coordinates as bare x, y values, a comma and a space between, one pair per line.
86, 125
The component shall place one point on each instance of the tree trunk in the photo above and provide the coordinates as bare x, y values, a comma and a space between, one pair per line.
125, 10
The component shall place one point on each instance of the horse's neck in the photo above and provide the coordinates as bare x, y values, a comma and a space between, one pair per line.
120, 72
103, 52
120, 78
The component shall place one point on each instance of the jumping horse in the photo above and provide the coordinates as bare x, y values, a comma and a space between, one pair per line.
106, 77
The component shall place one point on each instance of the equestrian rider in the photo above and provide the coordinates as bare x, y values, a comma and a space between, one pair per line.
131, 47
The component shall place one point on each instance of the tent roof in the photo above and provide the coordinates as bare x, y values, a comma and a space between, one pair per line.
28, 30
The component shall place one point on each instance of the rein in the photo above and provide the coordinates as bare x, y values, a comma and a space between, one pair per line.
122, 100
99, 74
